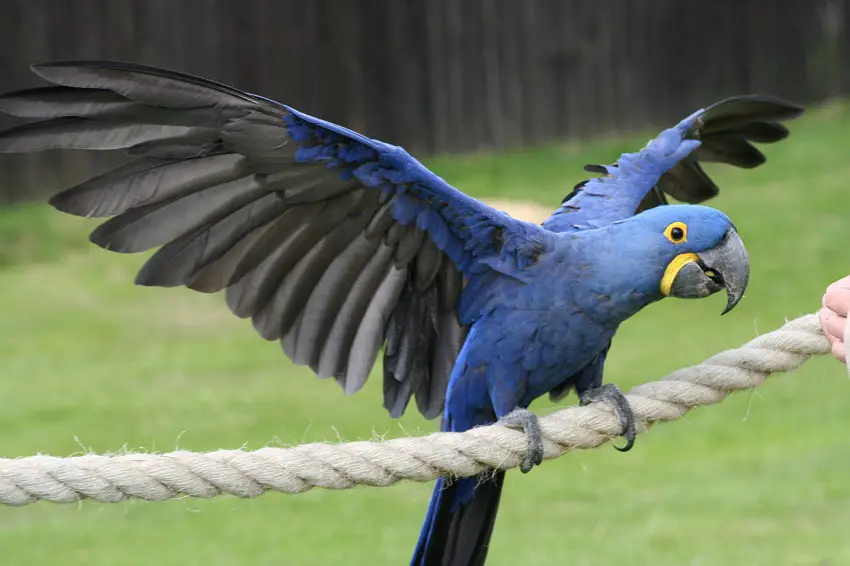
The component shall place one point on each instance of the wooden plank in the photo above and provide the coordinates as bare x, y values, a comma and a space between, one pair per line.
441, 75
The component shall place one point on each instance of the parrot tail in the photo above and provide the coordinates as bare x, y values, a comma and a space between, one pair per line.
459, 523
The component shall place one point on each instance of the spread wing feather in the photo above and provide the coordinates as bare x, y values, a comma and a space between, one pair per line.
332, 243
727, 133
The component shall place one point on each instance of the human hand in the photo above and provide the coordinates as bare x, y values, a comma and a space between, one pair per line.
833, 316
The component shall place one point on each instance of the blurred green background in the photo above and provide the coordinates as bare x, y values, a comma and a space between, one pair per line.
92, 363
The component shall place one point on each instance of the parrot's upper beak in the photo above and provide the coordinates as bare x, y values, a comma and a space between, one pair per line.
700, 275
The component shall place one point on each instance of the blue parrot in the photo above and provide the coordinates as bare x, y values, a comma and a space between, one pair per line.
339, 246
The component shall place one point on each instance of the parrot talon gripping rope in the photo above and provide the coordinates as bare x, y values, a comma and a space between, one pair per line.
611, 394
529, 423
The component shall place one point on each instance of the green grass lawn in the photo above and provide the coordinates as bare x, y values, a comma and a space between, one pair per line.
89, 362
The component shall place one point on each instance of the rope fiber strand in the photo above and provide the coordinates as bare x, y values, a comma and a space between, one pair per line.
247, 474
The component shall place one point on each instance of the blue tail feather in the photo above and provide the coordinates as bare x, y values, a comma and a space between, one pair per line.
461, 514
456, 533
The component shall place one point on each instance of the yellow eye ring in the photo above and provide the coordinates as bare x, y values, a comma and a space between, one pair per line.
677, 232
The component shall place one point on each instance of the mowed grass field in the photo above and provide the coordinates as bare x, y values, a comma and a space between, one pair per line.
89, 362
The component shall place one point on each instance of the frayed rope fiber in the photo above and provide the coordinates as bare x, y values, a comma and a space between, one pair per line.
157, 477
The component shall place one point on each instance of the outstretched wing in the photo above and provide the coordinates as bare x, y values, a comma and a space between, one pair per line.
725, 131
332, 243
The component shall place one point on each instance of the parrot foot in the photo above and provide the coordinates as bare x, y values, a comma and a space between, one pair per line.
612, 394
528, 422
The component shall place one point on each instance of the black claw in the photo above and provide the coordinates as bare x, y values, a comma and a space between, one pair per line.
527, 421
612, 394
630, 434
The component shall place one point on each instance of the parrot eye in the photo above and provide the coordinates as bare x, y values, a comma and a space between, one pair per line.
677, 232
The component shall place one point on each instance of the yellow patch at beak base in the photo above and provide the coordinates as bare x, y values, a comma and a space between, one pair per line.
673, 269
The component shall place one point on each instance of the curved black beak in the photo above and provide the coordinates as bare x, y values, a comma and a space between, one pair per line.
725, 266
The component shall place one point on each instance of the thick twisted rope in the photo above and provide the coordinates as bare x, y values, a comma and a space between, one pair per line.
157, 477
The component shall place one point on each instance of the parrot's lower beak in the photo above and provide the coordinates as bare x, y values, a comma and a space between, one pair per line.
723, 266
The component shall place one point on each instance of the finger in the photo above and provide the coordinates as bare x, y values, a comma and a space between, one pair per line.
846, 336
837, 297
843, 282
839, 351
833, 325
823, 314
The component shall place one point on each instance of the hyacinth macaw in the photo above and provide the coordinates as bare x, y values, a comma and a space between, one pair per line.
339, 245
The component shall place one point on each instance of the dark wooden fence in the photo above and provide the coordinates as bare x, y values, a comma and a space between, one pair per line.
445, 75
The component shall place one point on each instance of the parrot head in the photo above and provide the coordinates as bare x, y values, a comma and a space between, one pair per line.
691, 251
